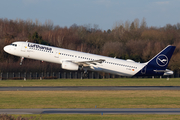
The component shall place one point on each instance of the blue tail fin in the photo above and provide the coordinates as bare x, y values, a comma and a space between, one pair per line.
161, 60
157, 65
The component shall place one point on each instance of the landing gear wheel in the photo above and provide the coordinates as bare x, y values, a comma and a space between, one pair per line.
85, 75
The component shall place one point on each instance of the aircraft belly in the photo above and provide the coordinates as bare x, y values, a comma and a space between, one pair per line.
115, 70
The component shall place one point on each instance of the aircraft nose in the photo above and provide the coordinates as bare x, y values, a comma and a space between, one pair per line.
5, 48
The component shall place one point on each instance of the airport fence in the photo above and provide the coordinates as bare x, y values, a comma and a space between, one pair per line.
65, 75
53, 75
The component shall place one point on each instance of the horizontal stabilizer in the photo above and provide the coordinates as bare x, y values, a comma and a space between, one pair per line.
166, 72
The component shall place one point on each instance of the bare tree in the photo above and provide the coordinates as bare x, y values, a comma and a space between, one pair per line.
136, 23
127, 25
143, 24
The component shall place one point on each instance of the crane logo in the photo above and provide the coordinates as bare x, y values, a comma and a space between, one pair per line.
162, 60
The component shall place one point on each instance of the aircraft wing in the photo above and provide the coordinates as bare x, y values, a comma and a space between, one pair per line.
89, 63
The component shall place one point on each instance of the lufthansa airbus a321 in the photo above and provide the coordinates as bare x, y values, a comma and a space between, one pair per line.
73, 60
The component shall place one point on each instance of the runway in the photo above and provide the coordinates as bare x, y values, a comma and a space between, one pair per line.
93, 111
89, 88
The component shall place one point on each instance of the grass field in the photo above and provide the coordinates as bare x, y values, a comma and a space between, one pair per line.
94, 82
103, 117
90, 99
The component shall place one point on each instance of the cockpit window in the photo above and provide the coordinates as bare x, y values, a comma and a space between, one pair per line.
14, 45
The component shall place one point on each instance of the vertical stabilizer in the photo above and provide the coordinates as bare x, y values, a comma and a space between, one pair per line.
158, 64
161, 60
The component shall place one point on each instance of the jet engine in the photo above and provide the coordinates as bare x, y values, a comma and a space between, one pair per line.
69, 65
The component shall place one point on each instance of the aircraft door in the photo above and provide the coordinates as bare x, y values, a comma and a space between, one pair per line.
23, 47
24, 50
56, 54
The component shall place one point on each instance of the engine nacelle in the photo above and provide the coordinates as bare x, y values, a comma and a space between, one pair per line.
69, 65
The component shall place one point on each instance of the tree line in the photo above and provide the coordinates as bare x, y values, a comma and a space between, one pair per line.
126, 40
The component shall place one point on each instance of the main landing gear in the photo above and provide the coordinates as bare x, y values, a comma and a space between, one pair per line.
85, 74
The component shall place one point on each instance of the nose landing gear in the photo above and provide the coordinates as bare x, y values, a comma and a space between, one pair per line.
22, 58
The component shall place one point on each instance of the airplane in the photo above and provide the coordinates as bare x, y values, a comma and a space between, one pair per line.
74, 60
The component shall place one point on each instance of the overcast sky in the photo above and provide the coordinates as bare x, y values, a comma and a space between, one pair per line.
104, 13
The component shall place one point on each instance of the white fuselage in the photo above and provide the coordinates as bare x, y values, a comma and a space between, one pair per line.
58, 55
